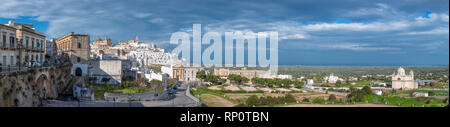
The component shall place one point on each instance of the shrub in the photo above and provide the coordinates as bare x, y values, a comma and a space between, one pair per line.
366, 90
252, 100
332, 98
305, 100
289, 98
428, 101
128, 84
318, 100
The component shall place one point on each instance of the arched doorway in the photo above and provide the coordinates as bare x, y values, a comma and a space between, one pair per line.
43, 88
78, 71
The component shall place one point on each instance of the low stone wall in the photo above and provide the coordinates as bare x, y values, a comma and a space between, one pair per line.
135, 96
188, 94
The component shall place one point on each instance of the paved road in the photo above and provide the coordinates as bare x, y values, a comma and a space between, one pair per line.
178, 99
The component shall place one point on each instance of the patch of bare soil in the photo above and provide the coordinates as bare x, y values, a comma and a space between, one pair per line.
215, 101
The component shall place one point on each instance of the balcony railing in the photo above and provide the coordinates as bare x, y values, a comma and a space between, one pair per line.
9, 68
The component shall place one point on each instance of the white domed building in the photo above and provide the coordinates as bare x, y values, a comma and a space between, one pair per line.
401, 80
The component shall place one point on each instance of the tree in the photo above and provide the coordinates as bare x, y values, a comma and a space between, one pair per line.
222, 80
339, 83
289, 98
366, 90
268, 82
256, 80
318, 100
298, 84
142, 82
201, 75
92, 79
155, 82
276, 82
211, 78
356, 96
232, 77
252, 100
244, 79
237, 78
305, 100
332, 98
105, 80
171, 82
286, 82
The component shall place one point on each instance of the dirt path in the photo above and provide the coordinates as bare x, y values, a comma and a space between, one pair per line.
215, 101
355, 105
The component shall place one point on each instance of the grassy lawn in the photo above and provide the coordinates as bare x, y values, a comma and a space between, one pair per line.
201, 91
409, 102
435, 92
360, 83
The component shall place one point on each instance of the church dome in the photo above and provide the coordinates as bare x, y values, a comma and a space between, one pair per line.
401, 71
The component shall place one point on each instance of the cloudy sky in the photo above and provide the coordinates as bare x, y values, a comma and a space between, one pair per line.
311, 32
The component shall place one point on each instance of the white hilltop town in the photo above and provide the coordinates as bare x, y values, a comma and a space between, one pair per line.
134, 56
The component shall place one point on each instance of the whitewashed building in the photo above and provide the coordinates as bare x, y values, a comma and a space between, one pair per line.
401, 80
285, 77
332, 78
148, 57
309, 82
109, 69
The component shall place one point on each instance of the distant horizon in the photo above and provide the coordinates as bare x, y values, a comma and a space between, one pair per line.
365, 65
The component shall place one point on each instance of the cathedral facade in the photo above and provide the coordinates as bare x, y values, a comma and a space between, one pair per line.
401, 80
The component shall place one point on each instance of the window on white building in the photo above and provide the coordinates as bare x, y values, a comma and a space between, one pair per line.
4, 60
11, 61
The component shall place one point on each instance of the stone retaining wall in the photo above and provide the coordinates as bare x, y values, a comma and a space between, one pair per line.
118, 97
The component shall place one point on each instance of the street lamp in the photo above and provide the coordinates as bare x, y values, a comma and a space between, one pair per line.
38, 92
45, 91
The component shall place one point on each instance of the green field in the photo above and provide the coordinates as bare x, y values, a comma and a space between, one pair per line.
408, 102
434, 92
218, 93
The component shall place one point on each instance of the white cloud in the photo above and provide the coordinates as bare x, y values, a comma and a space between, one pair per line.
141, 15
156, 20
380, 9
431, 20
433, 17
376, 26
436, 31
347, 46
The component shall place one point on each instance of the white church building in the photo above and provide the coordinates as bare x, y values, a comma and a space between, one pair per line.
401, 80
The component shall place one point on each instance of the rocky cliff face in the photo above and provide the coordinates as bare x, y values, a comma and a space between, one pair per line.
25, 88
